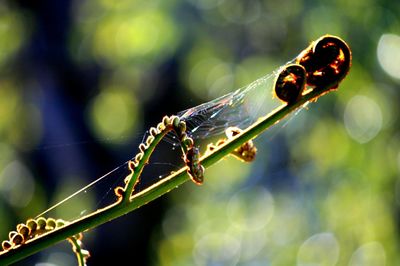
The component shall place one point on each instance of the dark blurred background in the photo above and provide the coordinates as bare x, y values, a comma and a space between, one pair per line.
81, 81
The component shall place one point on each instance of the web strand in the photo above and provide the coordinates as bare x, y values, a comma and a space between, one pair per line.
239, 108
80, 190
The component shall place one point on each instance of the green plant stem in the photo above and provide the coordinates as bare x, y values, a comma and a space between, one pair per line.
134, 176
156, 190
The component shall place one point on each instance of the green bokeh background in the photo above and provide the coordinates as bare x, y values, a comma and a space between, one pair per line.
325, 190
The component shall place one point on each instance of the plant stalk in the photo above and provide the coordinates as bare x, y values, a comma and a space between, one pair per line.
156, 190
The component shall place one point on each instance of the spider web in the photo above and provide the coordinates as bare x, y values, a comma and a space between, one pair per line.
240, 108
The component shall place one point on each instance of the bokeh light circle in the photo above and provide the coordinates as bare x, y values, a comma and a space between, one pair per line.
388, 52
16, 184
369, 254
251, 209
217, 249
114, 114
319, 249
362, 118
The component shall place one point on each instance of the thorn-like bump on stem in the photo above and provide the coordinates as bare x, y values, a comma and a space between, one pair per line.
50, 224
119, 191
6, 245
23, 230
33, 228
166, 121
175, 122
132, 165
60, 223
41, 222
142, 147
11, 234
32, 224
153, 131
149, 140
138, 157
17, 239
160, 127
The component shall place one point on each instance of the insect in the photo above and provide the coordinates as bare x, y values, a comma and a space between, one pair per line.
34, 228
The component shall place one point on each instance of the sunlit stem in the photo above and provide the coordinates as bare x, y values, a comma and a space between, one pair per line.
158, 189
78, 251
134, 175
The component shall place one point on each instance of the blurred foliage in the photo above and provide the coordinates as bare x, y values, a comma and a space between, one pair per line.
324, 191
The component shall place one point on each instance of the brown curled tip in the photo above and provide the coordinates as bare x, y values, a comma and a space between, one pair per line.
119, 191
327, 61
290, 83
195, 169
6, 245
17, 239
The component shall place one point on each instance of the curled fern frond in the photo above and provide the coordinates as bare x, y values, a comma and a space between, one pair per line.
246, 152
190, 156
34, 228
317, 70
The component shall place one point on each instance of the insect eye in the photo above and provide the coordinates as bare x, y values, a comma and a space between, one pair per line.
326, 61
290, 83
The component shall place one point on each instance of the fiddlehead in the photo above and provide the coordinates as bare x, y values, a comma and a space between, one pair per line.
195, 169
320, 79
245, 152
327, 61
33, 228
190, 155
290, 83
